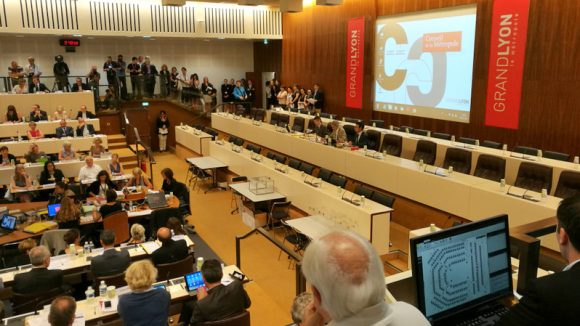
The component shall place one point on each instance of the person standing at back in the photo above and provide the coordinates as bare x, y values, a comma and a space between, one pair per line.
134, 71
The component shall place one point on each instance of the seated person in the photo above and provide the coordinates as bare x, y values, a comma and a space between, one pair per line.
34, 155
72, 236
300, 302
115, 167
215, 301
174, 224
62, 311
170, 251
21, 87
111, 262
37, 87
79, 86
33, 133
24, 248
169, 183
89, 171
338, 134
37, 114
69, 215
84, 114
97, 150
60, 113
360, 138
12, 115
50, 174
84, 130
58, 193
5, 157
139, 180
40, 279
64, 130
112, 206
100, 186
67, 153
137, 234
319, 129
144, 306
21, 181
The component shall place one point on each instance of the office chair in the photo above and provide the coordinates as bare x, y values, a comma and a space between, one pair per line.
274, 116
324, 174
337, 180
490, 167
526, 150
298, 125
440, 135
174, 269
491, 144
459, 159
534, 177
374, 139
383, 199
392, 144
306, 168
363, 191
420, 132
295, 164
407, 128
466, 140
557, 156
568, 184
426, 150
377, 123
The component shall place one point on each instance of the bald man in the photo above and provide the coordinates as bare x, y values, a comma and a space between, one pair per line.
62, 311
348, 285
171, 250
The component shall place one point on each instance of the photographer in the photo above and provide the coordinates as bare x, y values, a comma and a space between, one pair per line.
61, 73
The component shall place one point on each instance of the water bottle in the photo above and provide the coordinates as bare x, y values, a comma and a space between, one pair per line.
199, 263
91, 246
90, 295
18, 135
86, 248
102, 289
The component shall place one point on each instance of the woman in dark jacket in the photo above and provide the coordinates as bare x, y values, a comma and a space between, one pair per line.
50, 174
100, 186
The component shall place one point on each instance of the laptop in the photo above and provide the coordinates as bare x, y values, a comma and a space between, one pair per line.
193, 281
463, 273
53, 209
156, 200
7, 224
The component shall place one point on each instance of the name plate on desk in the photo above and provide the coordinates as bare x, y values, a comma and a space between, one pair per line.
374, 154
313, 182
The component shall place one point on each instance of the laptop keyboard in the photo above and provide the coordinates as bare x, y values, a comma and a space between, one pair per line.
487, 317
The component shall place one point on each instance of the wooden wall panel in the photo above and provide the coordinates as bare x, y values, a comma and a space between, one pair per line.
314, 50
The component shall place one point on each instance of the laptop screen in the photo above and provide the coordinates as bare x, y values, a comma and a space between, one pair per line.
193, 281
462, 267
8, 222
53, 210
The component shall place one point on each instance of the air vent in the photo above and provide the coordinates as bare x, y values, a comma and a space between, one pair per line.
267, 22
115, 17
224, 21
166, 19
48, 14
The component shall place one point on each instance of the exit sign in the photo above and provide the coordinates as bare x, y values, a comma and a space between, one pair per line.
69, 42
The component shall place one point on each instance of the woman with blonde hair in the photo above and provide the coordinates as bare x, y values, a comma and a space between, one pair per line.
33, 133
139, 180
338, 134
137, 234
97, 149
21, 181
69, 215
144, 305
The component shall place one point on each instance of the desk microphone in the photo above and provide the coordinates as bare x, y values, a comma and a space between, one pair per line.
167, 277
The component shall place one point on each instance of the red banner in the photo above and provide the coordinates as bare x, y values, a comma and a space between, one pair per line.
506, 62
355, 54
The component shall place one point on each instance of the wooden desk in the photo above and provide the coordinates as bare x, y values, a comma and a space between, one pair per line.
9, 129
19, 235
185, 136
53, 145
48, 102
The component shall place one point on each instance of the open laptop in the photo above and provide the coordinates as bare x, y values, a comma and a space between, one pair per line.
7, 224
53, 209
193, 281
156, 200
463, 273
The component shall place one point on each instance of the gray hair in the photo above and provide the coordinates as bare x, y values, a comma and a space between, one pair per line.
300, 302
137, 231
38, 255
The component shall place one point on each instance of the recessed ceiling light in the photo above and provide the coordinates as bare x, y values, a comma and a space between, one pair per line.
146, 36
19, 35
78, 35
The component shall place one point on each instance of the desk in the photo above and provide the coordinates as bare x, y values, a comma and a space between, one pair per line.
314, 227
9, 129
208, 163
48, 102
185, 136
371, 221
53, 145
248, 214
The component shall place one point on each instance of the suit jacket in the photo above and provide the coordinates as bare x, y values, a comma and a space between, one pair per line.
550, 300
319, 97
221, 302
67, 132
76, 88
90, 115
321, 131
37, 280
170, 252
32, 88
89, 126
43, 116
111, 262
361, 140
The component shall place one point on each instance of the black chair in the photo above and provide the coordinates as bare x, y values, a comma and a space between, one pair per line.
174, 269
440, 135
337, 180
557, 156
236, 140
117, 280
383, 199
377, 123
374, 139
420, 132
392, 144
259, 115
295, 164
254, 148
306, 168
324, 174
459, 159
426, 150
159, 218
491, 144
328, 115
534, 177
278, 212
283, 120
466, 140
406, 128
199, 127
250, 147
298, 125
242, 319
363, 191
271, 155
280, 158
490, 167
568, 184
526, 150
294, 110
241, 110
274, 118
182, 193
23, 303
350, 133
351, 120
214, 133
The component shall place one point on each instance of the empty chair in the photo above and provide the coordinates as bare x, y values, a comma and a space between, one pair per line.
383, 199
351, 120
280, 158
294, 110
534, 177
363, 191
328, 115
306, 168
350, 133
240, 110
491, 144
337, 180
568, 184
324, 174
174, 269
259, 115
23, 303
117, 280
377, 123
490, 167
238, 320
466, 140
298, 125
250, 147
406, 128
392, 144
283, 120
279, 211
426, 151
236, 140
211, 132
373, 139
295, 164
526, 150
557, 156
420, 132
270, 155
459, 159
119, 223
274, 116
256, 149
440, 135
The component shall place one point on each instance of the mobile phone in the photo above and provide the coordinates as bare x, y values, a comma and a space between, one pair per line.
238, 275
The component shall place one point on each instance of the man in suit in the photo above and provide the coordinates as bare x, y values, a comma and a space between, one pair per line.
554, 299
79, 86
171, 250
111, 262
318, 97
215, 301
62, 311
37, 114
83, 113
319, 129
64, 130
360, 139
40, 278
36, 86
84, 129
